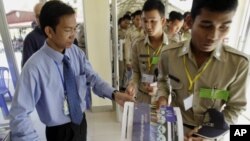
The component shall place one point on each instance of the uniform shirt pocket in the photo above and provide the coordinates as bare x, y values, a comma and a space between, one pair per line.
177, 88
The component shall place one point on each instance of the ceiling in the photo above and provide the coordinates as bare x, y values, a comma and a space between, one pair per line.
128, 5
132, 5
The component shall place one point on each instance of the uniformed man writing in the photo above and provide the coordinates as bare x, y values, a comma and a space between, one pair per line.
206, 73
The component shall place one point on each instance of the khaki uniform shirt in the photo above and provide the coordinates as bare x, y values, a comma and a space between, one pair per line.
132, 34
140, 58
121, 33
176, 38
228, 70
121, 36
186, 35
81, 38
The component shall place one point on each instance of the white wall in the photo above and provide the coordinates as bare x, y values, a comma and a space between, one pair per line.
96, 17
238, 24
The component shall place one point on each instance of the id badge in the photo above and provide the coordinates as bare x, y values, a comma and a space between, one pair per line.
188, 102
65, 107
214, 94
146, 78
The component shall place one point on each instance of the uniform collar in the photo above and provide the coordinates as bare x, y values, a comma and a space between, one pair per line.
217, 53
165, 40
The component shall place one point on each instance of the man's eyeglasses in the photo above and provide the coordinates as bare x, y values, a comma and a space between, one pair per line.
70, 31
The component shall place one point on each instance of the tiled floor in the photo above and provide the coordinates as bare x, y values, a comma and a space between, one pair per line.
102, 126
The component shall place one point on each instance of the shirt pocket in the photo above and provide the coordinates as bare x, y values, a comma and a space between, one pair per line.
176, 86
211, 103
81, 82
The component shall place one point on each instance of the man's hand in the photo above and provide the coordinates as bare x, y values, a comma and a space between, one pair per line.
162, 101
121, 98
131, 89
189, 136
147, 87
193, 138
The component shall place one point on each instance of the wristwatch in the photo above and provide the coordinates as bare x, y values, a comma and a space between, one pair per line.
113, 94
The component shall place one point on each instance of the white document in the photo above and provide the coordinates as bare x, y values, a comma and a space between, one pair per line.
188, 102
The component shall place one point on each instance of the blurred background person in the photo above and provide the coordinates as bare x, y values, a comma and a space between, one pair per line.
35, 39
186, 29
174, 24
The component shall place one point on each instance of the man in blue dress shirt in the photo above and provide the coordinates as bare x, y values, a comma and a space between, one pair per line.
41, 86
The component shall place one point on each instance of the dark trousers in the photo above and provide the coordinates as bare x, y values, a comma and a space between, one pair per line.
68, 132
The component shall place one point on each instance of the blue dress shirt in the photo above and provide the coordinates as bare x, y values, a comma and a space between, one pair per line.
40, 86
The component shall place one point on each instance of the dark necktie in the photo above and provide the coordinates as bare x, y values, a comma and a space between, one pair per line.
71, 92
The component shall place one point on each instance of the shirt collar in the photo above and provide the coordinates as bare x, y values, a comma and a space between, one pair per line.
55, 55
185, 48
165, 40
217, 53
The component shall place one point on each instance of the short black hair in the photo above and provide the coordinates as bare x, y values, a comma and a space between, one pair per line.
154, 5
51, 13
126, 17
120, 20
137, 13
174, 15
186, 14
213, 5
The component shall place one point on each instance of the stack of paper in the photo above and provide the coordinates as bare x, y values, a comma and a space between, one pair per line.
143, 122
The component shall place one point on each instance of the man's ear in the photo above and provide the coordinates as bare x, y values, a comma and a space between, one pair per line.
49, 31
164, 21
189, 21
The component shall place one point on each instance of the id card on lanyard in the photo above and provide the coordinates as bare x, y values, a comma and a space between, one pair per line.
65, 101
65, 106
147, 78
188, 102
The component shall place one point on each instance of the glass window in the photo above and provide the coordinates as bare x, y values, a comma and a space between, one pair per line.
19, 18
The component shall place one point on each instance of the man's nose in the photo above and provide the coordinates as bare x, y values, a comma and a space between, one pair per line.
213, 34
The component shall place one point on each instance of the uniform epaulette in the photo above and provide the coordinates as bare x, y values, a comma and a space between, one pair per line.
140, 38
236, 52
173, 46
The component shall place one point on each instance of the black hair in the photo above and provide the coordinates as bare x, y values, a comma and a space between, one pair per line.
213, 5
174, 15
154, 5
186, 14
127, 17
128, 13
120, 20
51, 13
137, 13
